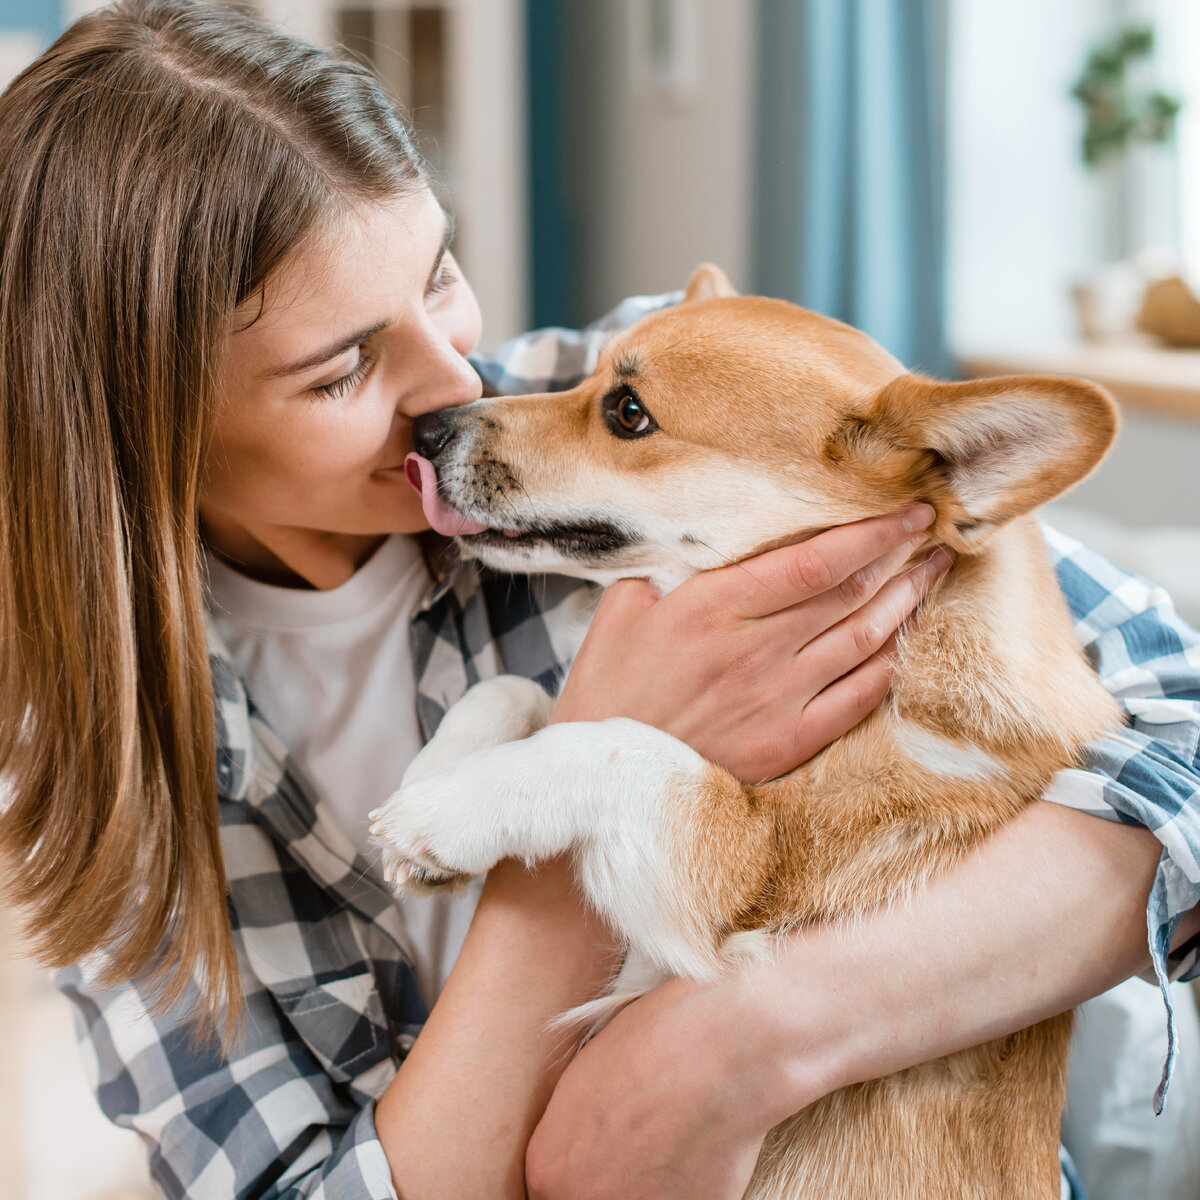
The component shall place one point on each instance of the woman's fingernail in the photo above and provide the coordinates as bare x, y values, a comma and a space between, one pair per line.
918, 516
941, 559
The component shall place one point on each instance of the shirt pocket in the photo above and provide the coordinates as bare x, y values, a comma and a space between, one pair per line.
339, 1016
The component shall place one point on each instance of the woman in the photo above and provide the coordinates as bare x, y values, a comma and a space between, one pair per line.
226, 292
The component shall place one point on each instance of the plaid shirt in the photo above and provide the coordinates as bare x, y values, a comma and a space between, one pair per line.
332, 1005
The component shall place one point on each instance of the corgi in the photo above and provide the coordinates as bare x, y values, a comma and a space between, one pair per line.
712, 431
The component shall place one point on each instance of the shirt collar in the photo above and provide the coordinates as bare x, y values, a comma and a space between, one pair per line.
444, 560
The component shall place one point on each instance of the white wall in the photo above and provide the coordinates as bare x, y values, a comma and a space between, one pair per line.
665, 180
1025, 216
17, 50
488, 130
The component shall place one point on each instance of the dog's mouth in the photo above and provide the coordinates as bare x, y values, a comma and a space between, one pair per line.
586, 540
579, 539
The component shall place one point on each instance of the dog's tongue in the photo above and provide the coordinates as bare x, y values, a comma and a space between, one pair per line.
441, 517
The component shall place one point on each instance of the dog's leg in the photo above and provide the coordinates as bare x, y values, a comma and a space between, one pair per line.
504, 709
669, 848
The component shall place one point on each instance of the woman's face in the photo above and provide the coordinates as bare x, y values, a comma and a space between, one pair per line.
363, 329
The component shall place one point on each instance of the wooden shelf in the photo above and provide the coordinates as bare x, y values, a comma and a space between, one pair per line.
1140, 374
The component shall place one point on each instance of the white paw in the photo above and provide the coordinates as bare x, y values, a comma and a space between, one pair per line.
431, 833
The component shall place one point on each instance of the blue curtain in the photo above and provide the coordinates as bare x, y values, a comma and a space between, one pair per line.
850, 166
43, 17
551, 230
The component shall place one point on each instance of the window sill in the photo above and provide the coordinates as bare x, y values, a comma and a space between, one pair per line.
1139, 373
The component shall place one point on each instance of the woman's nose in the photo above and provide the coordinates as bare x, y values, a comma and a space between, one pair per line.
447, 380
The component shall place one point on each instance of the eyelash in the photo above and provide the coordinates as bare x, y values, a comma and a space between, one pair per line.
339, 387
442, 282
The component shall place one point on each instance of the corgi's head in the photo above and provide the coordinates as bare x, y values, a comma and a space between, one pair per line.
727, 425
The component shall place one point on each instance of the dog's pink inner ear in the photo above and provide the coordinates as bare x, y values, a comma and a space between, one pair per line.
1003, 446
708, 282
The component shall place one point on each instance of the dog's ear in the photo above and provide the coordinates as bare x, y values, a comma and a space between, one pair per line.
708, 282
984, 451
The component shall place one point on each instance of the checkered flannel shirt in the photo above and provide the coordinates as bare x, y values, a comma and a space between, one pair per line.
332, 1004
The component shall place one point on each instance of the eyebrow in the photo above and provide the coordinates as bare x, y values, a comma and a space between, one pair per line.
360, 335
628, 364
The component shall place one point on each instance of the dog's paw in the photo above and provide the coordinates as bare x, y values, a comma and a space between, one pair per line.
430, 838
418, 876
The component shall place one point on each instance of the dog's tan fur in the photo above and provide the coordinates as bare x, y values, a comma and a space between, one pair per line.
837, 430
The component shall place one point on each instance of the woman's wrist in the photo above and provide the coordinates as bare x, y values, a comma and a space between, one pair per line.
459, 1113
781, 1054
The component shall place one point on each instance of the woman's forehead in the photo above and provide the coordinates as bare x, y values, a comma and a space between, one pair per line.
352, 269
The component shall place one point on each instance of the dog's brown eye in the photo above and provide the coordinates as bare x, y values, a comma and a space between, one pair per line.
632, 415
627, 416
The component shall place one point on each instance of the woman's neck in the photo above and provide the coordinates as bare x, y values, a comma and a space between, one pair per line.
285, 556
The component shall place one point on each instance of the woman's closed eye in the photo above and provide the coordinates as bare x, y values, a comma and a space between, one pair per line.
338, 388
444, 277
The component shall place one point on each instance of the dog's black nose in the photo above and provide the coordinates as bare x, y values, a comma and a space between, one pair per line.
433, 431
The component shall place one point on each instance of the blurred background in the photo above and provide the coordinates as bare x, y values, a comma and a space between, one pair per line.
986, 186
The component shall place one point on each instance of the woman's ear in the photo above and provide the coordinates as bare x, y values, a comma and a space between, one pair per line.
708, 282
989, 449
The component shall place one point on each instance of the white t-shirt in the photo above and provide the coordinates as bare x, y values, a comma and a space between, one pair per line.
332, 674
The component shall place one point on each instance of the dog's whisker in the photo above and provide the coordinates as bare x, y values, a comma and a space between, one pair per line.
532, 506
728, 559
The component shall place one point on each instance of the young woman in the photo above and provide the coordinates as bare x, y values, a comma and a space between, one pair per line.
226, 291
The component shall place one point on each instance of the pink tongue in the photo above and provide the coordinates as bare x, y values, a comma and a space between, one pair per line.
446, 520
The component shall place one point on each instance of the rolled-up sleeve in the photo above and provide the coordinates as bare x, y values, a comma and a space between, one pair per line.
1149, 772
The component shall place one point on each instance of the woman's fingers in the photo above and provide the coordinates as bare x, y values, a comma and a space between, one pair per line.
622, 603
838, 650
806, 621
782, 578
844, 703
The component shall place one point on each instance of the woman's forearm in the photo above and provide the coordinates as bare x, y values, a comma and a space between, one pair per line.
458, 1116
674, 1097
1047, 913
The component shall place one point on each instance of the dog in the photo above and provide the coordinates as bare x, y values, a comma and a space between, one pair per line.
711, 431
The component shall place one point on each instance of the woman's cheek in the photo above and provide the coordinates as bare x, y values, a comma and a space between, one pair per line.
345, 438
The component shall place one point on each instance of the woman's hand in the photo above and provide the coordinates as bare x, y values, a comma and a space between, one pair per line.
673, 1099
759, 665
670, 1102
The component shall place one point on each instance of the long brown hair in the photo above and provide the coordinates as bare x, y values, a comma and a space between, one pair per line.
157, 163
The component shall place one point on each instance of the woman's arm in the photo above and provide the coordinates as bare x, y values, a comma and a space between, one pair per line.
457, 1118
673, 1099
